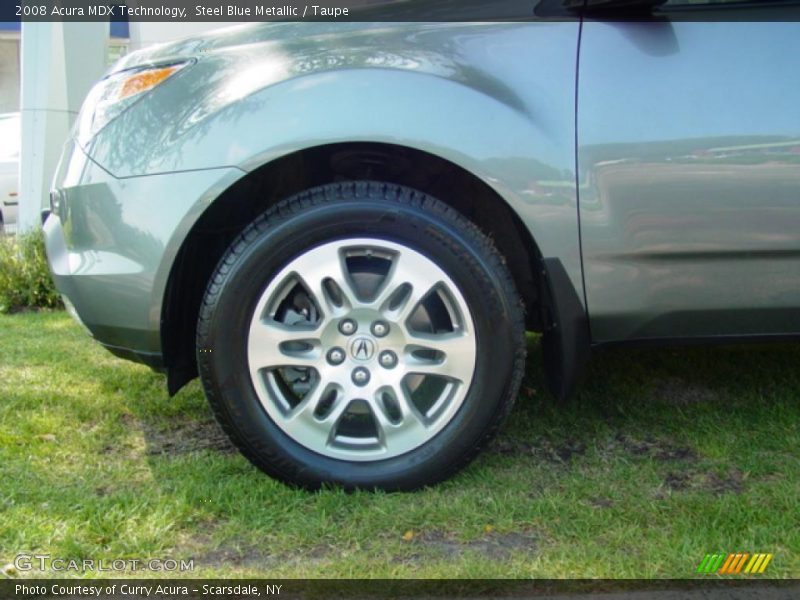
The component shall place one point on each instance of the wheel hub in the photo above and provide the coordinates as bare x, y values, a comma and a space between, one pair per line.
362, 349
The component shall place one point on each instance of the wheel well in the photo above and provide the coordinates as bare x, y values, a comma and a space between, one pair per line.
239, 205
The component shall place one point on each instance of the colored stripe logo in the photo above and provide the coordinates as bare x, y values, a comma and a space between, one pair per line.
734, 564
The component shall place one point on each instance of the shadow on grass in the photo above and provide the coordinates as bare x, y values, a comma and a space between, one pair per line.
651, 402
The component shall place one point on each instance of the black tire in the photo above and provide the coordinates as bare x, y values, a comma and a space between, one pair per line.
357, 209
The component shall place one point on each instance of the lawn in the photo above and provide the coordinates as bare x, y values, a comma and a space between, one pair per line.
666, 455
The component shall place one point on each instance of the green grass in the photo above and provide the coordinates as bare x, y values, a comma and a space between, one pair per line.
665, 455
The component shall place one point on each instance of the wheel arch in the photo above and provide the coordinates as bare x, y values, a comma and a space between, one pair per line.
244, 200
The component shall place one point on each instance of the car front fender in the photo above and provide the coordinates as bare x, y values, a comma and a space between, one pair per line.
497, 100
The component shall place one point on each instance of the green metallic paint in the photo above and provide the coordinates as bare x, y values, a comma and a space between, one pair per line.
680, 239
112, 243
255, 94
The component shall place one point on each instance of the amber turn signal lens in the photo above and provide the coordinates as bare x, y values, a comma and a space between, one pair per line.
141, 82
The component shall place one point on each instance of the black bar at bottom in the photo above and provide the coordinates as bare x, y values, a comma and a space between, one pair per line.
606, 589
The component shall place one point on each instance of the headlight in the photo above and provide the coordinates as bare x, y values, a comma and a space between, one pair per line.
112, 95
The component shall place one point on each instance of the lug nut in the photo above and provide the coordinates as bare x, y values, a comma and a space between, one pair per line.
380, 328
336, 356
388, 359
348, 327
360, 376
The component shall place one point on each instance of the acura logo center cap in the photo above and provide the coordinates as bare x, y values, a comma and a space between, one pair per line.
362, 349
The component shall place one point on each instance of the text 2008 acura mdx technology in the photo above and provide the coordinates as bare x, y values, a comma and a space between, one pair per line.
345, 229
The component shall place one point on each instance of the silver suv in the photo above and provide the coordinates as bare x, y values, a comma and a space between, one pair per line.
346, 229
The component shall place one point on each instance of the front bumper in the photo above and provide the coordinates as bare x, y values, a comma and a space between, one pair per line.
111, 244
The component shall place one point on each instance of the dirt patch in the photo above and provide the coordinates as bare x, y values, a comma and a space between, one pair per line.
493, 546
731, 483
200, 548
566, 451
659, 449
682, 481
679, 392
249, 556
561, 452
244, 554
180, 437
601, 502
677, 481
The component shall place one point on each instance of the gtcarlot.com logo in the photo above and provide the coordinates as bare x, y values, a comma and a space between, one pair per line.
736, 563
45, 562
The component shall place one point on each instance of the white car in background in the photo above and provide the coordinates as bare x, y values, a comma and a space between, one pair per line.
10, 135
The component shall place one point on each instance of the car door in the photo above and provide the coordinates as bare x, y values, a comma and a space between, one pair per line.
688, 132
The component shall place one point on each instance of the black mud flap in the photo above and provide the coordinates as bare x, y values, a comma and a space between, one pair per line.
179, 376
566, 343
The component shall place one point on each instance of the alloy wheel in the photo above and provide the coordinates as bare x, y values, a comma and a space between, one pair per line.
361, 349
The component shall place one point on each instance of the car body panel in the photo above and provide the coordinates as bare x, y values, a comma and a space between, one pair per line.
689, 164
9, 198
112, 258
687, 170
10, 139
446, 89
